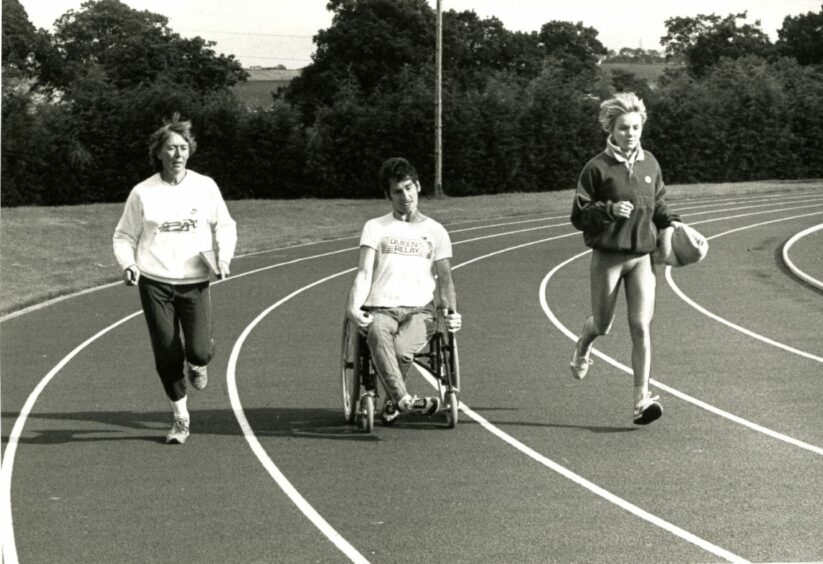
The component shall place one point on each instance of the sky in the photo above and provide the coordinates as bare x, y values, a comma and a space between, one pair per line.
267, 33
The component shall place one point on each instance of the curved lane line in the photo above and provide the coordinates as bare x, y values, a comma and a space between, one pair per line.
9, 549
734, 326
58, 299
728, 323
704, 212
346, 547
677, 393
594, 488
814, 282
231, 381
52, 301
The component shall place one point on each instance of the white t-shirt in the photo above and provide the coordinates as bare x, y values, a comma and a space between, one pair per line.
405, 254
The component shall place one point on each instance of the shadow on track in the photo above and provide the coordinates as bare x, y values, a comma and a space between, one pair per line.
266, 422
593, 429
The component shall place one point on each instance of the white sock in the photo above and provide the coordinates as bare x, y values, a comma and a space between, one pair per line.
180, 409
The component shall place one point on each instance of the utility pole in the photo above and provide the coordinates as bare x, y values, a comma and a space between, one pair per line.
438, 107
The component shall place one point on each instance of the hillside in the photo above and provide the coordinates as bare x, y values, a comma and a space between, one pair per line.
649, 72
256, 92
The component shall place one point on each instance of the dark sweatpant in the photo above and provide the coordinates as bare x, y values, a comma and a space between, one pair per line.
170, 309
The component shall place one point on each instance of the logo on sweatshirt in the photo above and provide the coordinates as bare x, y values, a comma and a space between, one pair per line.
178, 226
648, 179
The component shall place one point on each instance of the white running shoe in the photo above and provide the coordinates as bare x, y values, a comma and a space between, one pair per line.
580, 363
418, 405
179, 432
647, 409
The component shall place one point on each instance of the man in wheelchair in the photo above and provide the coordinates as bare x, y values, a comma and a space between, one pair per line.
402, 271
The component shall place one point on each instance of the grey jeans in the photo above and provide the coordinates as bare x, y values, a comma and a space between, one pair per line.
395, 335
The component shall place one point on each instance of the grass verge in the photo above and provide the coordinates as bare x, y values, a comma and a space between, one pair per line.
47, 252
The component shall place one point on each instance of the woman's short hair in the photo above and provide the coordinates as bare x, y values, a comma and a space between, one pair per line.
621, 103
397, 169
159, 137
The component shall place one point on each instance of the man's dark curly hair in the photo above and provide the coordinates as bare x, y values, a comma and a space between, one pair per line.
397, 169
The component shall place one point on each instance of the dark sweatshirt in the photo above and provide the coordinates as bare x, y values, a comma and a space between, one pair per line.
610, 177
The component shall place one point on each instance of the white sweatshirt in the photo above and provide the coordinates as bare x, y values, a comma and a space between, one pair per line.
164, 227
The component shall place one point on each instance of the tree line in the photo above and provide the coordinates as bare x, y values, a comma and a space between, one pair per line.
519, 108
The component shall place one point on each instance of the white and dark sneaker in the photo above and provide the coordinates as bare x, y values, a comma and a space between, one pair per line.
580, 363
389, 413
198, 376
647, 409
179, 432
418, 405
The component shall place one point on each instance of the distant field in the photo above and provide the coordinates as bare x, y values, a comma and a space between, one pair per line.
258, 94
257, 91
650, 73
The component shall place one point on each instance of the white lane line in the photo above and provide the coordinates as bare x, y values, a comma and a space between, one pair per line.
58, 299
709, 203
814, 282
728, 323
732, 325
591, 486
9, 547
356, 237
260, 452
234, 397
753, 206
677, 393
338, 540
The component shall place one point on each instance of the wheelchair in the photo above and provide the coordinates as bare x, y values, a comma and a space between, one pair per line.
359, 377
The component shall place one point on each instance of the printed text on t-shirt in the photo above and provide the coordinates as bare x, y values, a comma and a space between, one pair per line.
409, 247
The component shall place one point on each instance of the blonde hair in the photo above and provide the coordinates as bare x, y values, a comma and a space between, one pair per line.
158, 138
621, 103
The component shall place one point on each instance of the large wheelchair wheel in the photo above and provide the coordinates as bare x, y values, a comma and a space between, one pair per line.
453, 362
365, 417
350, 372
446, 366
452, 372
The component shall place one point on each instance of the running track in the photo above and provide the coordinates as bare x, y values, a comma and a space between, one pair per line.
541, 468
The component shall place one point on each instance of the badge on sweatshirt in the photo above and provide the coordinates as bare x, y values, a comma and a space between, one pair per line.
648, 179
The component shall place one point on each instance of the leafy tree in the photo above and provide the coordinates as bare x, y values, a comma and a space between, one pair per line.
373, 41
131, 48
19, 37
369, 41
703, 40
738, 122
626, 81
801, 37
574, 46
474, 47
258, 154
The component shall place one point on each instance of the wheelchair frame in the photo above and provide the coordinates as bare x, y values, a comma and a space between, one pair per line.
439, 357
